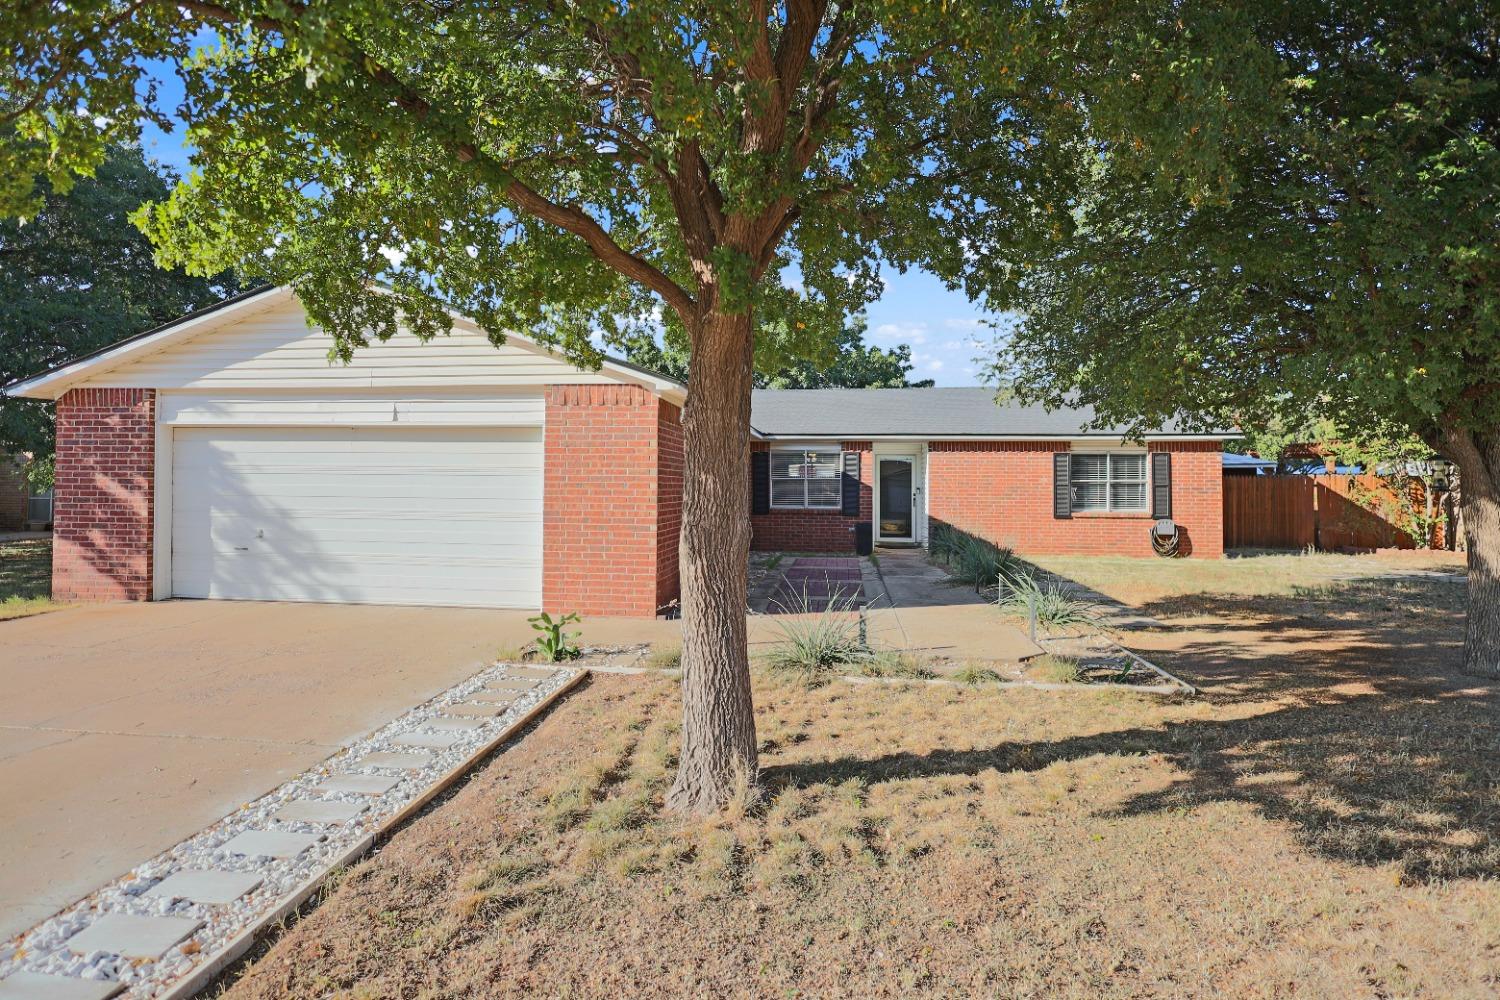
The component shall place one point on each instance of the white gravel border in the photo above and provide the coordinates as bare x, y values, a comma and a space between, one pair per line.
229, 930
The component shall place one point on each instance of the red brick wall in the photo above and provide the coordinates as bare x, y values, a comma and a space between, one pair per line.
104, 492
13, 493
602, 524
1002, 490
668, 501
815, 530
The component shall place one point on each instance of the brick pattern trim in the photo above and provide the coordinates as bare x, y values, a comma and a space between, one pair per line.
609, 500
1002, 490
815, 530
104, 495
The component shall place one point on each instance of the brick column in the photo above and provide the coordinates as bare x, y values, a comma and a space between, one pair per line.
104, 495
613, 499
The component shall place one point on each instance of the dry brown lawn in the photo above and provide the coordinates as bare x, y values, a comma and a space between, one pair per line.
1323, 822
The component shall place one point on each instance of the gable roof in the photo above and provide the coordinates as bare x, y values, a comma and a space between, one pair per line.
863, 414
207, 322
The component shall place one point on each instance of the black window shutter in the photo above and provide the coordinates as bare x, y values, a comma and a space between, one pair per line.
1062, 484
760, 482
1161, 484
851, 484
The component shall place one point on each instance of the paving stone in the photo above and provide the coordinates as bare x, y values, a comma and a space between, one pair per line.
364, 784
36, 986
454, 725
270, 844
477, 711
537, 672
131, 936
510, 684
213, 888
318, 811
436, 741
495, 697
405, 761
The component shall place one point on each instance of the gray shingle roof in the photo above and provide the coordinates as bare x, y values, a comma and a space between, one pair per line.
855, 414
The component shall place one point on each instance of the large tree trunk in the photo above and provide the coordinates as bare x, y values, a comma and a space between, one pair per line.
1478, 460
718, 721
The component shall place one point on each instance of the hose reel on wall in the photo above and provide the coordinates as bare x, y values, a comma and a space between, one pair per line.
1165, 537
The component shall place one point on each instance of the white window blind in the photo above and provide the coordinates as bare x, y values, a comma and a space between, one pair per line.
1109, 481
806, 477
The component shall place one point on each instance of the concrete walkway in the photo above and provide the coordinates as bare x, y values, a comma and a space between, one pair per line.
127, 727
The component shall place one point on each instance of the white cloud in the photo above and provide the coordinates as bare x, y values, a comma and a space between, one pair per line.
935, 365
396, 255
900, 333
963, 322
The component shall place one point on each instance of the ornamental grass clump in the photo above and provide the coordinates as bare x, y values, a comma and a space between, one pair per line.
1048, 603
816, 645
970, 559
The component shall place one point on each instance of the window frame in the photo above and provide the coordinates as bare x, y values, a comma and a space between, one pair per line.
837, 502
1109, 481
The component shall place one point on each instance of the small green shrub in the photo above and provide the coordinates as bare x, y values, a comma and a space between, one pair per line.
814, 645
974, 674
1055, 670
894, 664
554, 643
1055, 607
665, 658
970, 559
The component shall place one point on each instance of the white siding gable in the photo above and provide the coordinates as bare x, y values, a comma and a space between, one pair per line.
276, 348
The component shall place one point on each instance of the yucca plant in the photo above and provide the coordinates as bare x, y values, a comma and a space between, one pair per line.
1047, 603
815, 645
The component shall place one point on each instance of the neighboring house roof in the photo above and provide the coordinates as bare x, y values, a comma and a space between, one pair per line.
52, 383
863, 414
1233, 461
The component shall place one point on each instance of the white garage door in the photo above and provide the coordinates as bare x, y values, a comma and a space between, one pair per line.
363, 515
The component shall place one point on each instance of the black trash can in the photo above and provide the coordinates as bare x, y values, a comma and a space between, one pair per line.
864, 538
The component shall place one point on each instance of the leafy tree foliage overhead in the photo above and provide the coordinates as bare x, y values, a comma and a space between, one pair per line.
850, 364
1348, 262
77, 276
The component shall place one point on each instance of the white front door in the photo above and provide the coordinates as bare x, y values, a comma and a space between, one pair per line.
449, 516
895, 498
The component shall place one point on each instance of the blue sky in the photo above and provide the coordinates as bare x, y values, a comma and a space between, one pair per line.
942, 328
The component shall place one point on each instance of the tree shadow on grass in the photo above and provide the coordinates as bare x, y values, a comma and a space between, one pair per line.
1372, 745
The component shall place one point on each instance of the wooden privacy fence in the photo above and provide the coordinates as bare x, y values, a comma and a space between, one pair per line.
1295, 512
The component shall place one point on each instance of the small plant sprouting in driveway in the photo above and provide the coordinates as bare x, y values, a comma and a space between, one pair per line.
554, 643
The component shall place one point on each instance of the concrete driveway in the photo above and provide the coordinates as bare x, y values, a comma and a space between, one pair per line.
125, 728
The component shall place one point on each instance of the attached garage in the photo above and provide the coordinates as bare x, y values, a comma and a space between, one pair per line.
225, 456
369, 515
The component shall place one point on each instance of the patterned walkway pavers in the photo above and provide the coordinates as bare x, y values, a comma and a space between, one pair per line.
495, 697
488, 711
359, 784
212, 888
130, 936
506, 684
816, 584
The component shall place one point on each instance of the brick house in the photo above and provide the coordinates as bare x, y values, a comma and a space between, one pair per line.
225, 456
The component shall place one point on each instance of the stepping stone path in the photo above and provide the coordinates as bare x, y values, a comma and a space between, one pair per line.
816, 584
270, 844
506, 684
35, 986
212, 888
455, 725
501, 698
435, 741
313, 811
132, 937
475, 711
218, 888
359, 784
404, 761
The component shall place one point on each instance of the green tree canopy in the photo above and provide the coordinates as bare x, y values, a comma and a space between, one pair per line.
76, 276
846, 363
1348, 263
598, 165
